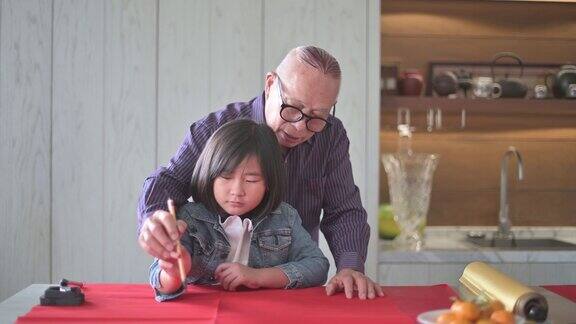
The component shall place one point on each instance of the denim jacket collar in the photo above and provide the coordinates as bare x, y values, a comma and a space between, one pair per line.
214, 218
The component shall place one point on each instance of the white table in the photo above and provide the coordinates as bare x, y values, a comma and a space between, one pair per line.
21, 302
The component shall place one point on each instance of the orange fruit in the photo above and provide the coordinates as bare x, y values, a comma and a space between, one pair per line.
496, 305
446, 318
490, 307
460, 321
485, 321
502, 317
465, 310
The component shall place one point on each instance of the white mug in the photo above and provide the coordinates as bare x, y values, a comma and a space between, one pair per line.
540, 91
571, 91
484, 87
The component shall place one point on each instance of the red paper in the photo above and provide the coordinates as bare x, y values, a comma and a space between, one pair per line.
129, 302
566, 291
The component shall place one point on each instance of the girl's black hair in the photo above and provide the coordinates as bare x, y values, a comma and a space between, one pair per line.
226, 149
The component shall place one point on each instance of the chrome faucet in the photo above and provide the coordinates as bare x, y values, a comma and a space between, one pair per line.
503, 217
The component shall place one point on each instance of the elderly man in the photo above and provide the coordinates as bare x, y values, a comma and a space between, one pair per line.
297, 102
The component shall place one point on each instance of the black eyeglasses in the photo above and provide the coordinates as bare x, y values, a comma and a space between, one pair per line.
293, 114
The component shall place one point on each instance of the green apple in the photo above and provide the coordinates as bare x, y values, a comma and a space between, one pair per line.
387, 227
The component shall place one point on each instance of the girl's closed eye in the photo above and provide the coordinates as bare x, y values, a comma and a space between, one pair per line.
253, 179
226, 176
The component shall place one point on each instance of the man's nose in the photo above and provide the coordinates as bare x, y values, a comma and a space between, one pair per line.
300, 125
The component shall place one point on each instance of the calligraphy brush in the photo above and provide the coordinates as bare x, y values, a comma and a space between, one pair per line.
172, 211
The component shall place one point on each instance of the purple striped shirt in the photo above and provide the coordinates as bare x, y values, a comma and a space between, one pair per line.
319, 177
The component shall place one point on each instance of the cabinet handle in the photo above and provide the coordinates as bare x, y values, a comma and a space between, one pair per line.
438, 118
430, 120
403, 116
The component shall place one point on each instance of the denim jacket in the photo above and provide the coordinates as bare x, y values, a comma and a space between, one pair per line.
278, 240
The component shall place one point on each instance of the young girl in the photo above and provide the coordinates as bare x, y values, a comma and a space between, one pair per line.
237, 232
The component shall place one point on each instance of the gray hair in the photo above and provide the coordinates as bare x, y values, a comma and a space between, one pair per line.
320, 59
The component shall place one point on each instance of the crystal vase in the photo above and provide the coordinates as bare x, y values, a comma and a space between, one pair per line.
410, 183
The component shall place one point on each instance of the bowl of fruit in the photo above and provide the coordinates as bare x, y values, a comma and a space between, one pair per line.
471, 312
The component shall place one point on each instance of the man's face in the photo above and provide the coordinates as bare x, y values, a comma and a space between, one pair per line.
303, 87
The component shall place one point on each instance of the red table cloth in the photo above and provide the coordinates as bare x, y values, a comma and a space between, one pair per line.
566, 291
134, 302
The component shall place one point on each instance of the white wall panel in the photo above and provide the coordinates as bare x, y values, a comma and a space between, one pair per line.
25, 127
95, 94
129, 131
287, 24
78, 140
236, 72
183, 71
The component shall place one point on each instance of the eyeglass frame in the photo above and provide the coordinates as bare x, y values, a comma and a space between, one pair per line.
284, 105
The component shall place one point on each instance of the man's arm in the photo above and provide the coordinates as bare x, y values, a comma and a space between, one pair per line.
345, 221
156, 227
172, 181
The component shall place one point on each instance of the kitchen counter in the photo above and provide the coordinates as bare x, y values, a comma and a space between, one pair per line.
446, 253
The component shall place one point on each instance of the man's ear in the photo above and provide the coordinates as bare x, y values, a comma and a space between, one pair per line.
268, 83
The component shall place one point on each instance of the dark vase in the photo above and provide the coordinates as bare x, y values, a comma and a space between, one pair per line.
410, 83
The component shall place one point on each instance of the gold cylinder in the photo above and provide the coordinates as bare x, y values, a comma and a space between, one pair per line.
483, 280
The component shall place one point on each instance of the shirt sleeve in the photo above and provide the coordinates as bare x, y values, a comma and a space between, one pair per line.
154, 280
154, 271
344, 223
173, 180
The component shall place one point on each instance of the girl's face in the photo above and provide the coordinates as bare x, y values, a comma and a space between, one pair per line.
241, 190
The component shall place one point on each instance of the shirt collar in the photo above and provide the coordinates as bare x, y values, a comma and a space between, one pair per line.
258, 109
213, 218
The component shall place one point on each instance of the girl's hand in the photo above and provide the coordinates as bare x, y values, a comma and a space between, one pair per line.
234, 275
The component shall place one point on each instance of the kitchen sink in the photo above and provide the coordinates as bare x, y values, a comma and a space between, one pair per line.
528, 244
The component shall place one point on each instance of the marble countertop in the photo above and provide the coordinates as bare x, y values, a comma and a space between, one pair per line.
447, 244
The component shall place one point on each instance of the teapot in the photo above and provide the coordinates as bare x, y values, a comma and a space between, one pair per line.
509, 87
564, 82
445, 83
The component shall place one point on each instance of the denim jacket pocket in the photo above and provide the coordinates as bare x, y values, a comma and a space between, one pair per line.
202, 255
274, 245
202, 245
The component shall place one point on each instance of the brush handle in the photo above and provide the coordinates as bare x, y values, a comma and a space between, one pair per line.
172, 211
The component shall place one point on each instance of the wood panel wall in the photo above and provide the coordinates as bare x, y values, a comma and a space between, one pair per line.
466, 186
94, 95
415, 32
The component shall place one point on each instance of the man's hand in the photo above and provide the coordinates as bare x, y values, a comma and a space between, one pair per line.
234, 275
170, 265
350, 280
159, 233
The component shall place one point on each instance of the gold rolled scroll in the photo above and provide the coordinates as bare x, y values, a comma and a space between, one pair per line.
483, 280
